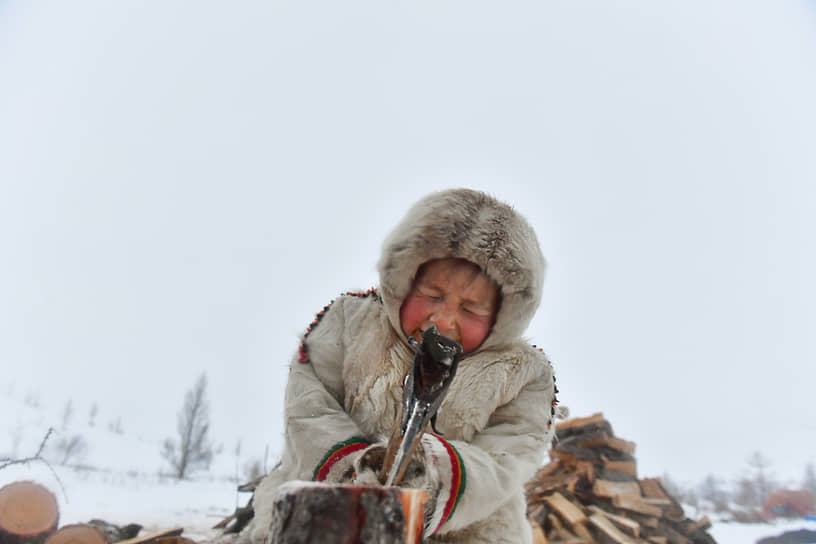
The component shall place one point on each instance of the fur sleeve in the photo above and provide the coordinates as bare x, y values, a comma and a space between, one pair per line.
505, 454
316, 423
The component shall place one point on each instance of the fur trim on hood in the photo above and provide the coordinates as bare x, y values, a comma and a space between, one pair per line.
467, 224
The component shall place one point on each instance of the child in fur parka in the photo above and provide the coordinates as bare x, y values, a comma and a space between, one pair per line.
471, 265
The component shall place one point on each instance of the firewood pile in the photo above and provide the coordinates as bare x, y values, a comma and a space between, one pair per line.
590, 493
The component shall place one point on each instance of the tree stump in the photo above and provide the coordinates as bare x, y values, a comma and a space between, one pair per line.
307, 512
28, 513
78, 533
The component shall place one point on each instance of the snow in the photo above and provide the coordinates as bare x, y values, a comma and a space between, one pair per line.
122, 478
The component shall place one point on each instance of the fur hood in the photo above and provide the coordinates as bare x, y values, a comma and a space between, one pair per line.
467, 224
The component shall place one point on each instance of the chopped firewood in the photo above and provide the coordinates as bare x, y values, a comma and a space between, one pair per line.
636, 504
628, 526
702, 523
597, 419
151, 537
605, 488
568, 511
609, 530
610, 442
627, 467
538, 512
28, 513
538, 533
78, 533
571, 514
653, 488
342, 513
675, 537
595, 474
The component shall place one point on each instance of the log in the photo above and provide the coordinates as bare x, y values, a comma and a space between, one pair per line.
77, 533
28, 513
346, 514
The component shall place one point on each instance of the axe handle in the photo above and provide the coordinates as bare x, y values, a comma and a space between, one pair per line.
390, 453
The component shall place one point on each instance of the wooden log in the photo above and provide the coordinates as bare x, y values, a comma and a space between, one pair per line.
344, 514
28, 513
608, 489
608, 530
77, 533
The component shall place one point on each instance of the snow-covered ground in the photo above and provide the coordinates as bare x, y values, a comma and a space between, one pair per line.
121, 478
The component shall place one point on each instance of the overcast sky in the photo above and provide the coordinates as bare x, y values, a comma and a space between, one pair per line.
183, 185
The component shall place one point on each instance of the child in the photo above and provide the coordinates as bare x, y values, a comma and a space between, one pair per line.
472, 266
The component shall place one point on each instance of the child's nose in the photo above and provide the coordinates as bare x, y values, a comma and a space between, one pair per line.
445, 321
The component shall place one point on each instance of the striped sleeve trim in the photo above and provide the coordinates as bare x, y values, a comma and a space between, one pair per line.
336, 453
455, 487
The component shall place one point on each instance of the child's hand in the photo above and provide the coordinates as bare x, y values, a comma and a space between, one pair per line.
369, 465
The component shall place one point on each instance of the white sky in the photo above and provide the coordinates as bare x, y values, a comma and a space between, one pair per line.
183, 185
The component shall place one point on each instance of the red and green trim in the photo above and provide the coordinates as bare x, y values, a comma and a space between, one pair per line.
337, 452
458, 481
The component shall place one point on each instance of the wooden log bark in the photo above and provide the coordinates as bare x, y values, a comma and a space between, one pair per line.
28, 513
346, 514
78, 533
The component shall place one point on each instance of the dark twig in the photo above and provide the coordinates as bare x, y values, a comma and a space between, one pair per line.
6, 462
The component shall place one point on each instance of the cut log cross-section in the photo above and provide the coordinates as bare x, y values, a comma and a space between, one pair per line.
338, 514
28, 513
78, 533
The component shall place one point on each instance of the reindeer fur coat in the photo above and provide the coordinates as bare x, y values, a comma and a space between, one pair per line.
345, 384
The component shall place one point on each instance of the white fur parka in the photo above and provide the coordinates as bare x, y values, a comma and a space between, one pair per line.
496, 423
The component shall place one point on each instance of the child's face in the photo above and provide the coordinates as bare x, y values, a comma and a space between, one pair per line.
456, 296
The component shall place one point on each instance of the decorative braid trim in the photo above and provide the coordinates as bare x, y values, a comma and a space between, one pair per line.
303, 351
555, 397
337, 452
456, 488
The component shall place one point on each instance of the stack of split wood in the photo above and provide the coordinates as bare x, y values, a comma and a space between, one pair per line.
29, 514
590, 493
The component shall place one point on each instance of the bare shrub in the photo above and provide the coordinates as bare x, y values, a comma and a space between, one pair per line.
70, 449
193, 450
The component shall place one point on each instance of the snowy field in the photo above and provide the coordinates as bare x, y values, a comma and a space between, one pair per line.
122, 478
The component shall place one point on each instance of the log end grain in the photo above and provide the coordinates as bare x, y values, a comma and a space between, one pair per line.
78, 533
28, 511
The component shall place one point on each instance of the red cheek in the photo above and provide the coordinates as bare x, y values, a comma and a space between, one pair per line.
412, 314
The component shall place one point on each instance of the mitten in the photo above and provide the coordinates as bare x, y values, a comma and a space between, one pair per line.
435, 467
